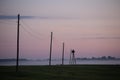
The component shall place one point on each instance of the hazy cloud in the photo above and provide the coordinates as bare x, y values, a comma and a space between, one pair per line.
59, 17
99, 37
15, 17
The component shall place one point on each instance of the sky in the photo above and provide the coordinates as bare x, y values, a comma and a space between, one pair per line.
90, 27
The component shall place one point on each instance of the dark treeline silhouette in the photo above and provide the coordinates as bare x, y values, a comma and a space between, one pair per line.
82, 58
99, 58
2, 60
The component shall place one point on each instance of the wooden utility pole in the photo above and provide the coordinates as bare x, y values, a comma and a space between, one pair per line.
63, 54
17, 60
50, 48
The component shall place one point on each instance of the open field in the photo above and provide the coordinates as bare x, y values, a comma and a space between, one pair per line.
67, 72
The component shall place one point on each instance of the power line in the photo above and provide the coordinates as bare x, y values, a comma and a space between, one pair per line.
6, 22
31, 34
28, 26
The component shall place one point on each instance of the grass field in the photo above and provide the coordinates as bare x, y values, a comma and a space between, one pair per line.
73, 72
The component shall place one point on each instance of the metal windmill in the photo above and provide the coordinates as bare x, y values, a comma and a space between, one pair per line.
72, 57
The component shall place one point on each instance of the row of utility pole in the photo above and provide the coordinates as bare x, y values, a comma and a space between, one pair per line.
51, 50
18, 35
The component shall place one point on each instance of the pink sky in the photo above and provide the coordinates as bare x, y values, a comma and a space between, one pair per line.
91, 27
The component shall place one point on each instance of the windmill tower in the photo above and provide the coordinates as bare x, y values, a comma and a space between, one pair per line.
72, 57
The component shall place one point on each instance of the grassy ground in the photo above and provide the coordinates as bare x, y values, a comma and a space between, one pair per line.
78, 72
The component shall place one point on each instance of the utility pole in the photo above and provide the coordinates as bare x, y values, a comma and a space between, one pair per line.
17, 60
50, 48
63, 54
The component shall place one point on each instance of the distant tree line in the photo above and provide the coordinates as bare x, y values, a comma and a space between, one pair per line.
3, 60
99, 58
83, 58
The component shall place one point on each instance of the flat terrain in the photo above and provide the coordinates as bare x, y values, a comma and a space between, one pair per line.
67, 72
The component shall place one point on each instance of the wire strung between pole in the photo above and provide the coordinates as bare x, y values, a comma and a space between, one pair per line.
31, 34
